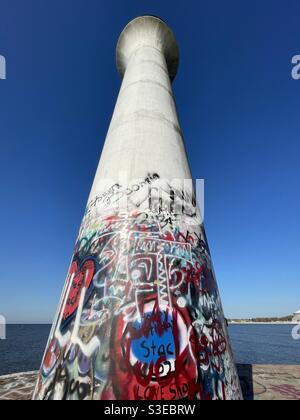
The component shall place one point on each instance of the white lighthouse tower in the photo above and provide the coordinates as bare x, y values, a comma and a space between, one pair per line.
140, 315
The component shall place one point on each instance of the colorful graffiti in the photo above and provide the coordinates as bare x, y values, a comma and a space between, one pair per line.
140, 317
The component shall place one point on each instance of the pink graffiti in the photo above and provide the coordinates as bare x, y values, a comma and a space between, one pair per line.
287, 391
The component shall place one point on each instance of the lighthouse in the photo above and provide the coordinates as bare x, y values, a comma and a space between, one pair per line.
140, 315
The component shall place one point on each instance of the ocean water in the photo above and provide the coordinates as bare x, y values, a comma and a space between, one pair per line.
252, 344
264, 344
23, 348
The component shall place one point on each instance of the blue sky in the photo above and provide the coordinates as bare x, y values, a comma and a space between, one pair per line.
239, 110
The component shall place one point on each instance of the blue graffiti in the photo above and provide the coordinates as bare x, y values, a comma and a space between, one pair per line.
151, 348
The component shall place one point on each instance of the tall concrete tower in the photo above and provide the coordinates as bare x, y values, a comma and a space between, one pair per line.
140, 315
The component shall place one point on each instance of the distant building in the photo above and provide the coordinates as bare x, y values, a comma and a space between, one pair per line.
296, 316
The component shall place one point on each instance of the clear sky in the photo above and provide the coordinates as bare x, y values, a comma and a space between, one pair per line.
239, 110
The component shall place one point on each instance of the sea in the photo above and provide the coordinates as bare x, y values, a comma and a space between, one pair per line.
24, 347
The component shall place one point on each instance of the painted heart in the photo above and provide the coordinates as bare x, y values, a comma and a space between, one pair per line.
82, 277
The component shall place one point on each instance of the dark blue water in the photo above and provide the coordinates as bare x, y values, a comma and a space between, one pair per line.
24, 348
259, 344
264, 344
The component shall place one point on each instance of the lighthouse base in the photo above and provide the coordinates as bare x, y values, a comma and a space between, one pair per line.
259, 382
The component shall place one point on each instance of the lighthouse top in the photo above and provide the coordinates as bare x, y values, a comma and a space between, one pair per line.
147, 31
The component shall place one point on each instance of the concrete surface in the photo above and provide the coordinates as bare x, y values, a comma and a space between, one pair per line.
144, 135
17, 387
270, 382
258, 382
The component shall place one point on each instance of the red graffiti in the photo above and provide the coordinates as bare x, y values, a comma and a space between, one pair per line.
51, 357
80, 278
159, 380
210, 346
161, 323
287, 391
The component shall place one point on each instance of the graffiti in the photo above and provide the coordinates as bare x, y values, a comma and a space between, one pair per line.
81, 277
115, 193
140, 316
168, 200
64, 387
287, 390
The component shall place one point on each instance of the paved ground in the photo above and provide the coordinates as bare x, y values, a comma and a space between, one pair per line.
270, 382
17, 387
258, 383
